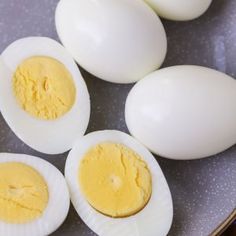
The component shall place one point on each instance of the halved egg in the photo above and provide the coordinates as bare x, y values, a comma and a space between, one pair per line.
34, 198
45, 100
117, 187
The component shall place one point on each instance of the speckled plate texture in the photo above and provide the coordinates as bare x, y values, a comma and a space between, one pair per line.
204, 191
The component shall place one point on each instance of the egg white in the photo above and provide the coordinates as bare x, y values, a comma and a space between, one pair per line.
54, 136
155, 219
58, 204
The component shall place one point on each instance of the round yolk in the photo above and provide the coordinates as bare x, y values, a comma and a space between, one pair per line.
114, 180
44, 87
23, 193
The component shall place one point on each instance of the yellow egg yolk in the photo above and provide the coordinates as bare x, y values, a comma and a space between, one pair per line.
44, 87
115, 180
23, 193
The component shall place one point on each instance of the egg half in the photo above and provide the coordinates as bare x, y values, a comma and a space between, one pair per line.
119, 41
45, 100
183, 112
34, 198
179, 10
117, 187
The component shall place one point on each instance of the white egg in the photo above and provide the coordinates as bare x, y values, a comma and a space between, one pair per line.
154, 219
118, 41
58, 203
179, 10
183, 112
47, 136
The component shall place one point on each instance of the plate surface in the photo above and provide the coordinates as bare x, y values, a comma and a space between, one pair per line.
204, 190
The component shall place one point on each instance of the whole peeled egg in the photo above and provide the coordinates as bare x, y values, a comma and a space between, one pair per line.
179, 10
119, 41
183, 112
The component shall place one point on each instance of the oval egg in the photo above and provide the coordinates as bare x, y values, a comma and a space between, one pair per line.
118, 41
107, 172
179, 10
183, 112
34, 198
45, 99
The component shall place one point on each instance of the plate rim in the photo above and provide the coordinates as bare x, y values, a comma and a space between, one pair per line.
225, 224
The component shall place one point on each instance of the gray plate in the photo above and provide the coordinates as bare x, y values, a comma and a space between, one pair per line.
204, 191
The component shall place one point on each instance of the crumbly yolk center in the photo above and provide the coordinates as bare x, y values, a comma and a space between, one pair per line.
115, 180
23, 193
44, 87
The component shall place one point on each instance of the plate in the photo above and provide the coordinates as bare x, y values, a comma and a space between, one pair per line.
203, 190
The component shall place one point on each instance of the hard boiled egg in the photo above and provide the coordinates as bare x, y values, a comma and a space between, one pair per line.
45, 100
183, 112
117, 187
34, 198
116, 40
179, 10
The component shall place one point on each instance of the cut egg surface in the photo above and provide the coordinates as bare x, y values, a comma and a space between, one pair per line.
34, 198
117, 186
45, 100
179, 10
119, 41
183, 112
